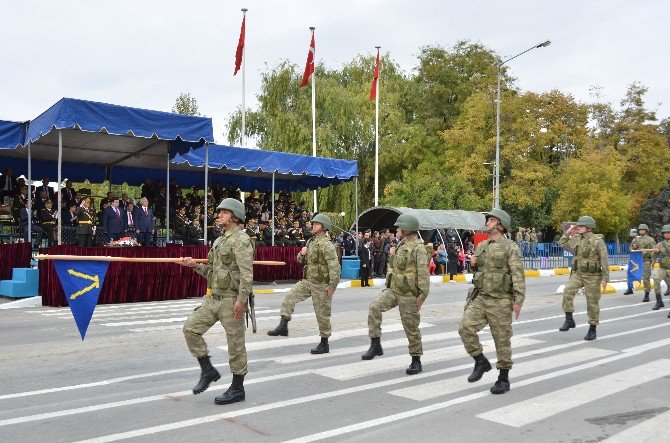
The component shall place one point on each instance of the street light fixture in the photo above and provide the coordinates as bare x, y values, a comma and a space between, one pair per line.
496, 198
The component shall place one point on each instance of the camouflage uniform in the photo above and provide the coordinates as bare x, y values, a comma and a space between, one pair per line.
663, 271
321, 271
229, 276
499, 284
590, 267
645, 242
407, 280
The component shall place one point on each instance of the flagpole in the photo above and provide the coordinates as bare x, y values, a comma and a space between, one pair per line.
244, 62
377, 135
312, 28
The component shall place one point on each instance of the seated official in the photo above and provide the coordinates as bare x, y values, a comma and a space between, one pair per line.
36, 229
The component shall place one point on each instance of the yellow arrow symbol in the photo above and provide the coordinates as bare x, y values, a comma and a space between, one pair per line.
93, 278
635, 267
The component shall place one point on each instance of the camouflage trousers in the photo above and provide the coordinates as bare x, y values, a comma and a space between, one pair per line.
409, 316
660, 275
646, 275
591, 284
204, 317
495, 312
322, 303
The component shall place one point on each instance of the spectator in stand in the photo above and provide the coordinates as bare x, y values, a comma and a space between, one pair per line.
129, 214
35, 228
8, 184
113, 221
441, 259
144, 222
350, 243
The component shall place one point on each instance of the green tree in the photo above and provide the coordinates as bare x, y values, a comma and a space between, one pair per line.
185, 105
655, 210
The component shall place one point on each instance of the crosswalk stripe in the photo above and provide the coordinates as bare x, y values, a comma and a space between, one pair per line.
653, 430
538, 408
183, 319
348, 371
136, 316
129, 306
448, 386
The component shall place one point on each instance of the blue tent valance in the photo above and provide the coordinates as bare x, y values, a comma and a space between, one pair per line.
12, 134
252, 169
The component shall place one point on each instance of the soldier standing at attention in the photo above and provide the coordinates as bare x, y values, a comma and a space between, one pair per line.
662, 255
499, 289
321, 274
407, 286
590, 270
644, 241
229, 276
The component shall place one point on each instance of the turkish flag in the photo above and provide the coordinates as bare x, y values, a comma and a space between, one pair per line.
240, 47
375, 79
309, 67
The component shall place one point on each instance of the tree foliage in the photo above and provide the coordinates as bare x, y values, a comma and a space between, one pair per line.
185, 105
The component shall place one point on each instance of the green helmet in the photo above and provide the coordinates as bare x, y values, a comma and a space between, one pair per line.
407, 222
666, 228
234, 206
324, 220
501, 215
643, 226
587, 221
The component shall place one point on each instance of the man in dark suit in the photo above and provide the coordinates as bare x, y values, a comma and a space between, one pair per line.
23, 228
365, 256
144, 222
113, 221
68, 192
41, 201
48, 191
8, 184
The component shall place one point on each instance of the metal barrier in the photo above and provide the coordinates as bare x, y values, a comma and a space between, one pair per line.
552, 255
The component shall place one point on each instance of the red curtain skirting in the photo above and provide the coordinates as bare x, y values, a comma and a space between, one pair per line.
142, 282
12, 256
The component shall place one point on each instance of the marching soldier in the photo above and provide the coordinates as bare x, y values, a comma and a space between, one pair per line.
644, 241
499, 289
229, 275
590, 270
407, 286
662, 256
85, 217
321, 275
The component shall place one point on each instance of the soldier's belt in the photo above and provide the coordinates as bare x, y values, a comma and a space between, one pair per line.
49, 223
81, 222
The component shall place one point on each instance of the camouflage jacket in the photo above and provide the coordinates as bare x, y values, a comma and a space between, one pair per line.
663, 257
590, 254
643, 242
408, 269
230, 270
321, 263
499, 270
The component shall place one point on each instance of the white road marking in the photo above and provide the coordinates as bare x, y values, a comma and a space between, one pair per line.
183, 319
448, 386
544, 406
653, 430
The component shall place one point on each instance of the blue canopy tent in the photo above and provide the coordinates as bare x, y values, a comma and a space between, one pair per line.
254, 169
101, 141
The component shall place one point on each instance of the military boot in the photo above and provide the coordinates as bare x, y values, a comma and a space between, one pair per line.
322, 348
659, 302
629, 291
591, 335
208, 375
502, 384
482, 365
375, 349
415, 366
646, 296
569, 322
282, 329
234, 393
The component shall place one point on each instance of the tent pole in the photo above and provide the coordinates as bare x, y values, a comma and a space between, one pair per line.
167, 199
272, 214
60, 179
206, 181
356, 184
30, 196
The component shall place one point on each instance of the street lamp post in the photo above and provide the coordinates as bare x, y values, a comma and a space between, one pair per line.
496, 198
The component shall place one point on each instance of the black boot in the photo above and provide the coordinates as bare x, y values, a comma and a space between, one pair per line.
415, 366
322, 348
234, 393
502, 385
646, 296
591, 335
375, 349
282, 329
659, 302
569, 322
482, 365
629, 291
208, 375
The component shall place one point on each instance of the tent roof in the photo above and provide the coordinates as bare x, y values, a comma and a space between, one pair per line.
12, 134
383, 217
251, 169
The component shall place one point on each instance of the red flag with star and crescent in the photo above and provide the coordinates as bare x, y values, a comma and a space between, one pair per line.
309, 67
240, 47
375, 79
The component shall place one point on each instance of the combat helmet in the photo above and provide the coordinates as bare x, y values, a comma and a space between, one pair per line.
587, 221
666, 228
643, 226
324, 220
234, 206
501, 215
407, 222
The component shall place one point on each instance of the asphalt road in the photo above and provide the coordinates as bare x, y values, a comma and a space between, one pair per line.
131, 377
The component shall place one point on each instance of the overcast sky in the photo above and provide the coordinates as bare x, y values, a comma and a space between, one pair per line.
144, 53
